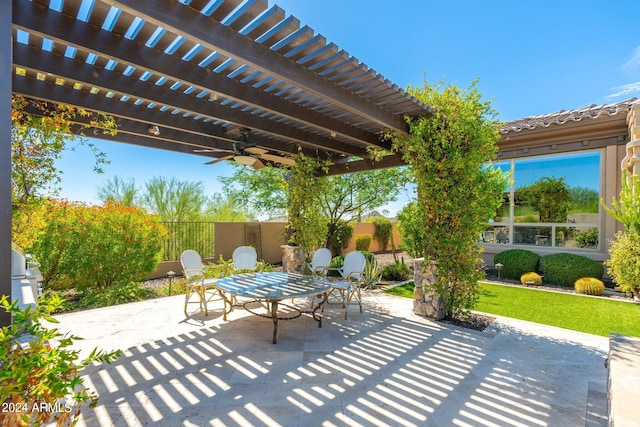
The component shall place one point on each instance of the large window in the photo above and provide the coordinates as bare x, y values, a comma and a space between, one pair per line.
551, 201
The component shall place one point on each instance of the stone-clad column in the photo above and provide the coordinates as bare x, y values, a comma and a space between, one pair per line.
429, 304
293, 259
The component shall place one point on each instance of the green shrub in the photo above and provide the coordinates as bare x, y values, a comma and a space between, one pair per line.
587, 239
531, 279
341, 237
516, 262
178, 286
564, 269
119, 293
83, 246
397, 271
336, 262
363, 241
384, 228
624, 261
589, 286
412, 230
528, 218
372, 274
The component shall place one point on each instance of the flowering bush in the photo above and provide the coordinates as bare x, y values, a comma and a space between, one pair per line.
624, 261
458, 191
82, 246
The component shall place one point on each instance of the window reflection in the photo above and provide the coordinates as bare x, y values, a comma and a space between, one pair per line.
503, 213
578, 237
496, 234
545, 193
557, 188
528, 235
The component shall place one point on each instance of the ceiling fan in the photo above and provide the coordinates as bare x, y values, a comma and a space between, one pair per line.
246, 153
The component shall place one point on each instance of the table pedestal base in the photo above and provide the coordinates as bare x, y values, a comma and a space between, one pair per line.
272, 308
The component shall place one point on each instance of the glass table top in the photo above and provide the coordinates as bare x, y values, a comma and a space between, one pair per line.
273, 285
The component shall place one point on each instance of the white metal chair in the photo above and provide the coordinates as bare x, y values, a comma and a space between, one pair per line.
244, 258
348, 287
319, 265
320, 261
197, 283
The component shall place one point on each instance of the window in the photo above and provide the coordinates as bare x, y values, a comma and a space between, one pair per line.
551, 201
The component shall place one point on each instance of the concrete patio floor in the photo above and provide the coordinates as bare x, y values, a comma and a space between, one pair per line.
384, 367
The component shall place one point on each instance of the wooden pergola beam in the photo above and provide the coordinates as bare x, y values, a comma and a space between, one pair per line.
81, 35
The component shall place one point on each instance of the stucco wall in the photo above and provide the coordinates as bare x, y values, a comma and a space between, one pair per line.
369, 228
266, 237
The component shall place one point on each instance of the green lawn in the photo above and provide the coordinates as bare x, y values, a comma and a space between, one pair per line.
598, 316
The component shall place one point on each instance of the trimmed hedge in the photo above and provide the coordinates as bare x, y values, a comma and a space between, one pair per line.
363, 241
516, 262
565, 269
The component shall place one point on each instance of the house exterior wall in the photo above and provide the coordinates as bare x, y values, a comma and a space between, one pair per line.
607, 133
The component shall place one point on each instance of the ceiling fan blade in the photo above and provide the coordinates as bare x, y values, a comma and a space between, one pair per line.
278, 159
219, 160
255, 150
258, 164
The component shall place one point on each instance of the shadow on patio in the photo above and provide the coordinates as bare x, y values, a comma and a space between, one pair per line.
383, 367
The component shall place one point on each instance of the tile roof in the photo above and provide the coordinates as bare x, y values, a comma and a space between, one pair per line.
564, 116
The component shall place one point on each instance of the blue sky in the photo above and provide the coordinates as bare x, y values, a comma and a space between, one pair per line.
531, 58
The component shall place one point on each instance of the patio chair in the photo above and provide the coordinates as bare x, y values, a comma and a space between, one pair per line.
348, 287
197, 283
244, 258
320, 261
319, 265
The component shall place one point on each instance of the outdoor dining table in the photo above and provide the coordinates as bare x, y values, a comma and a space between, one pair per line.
272, 288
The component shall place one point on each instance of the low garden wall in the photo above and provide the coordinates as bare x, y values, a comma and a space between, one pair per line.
267, 237
624, 381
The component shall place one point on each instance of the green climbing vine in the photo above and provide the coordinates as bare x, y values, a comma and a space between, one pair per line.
457, 192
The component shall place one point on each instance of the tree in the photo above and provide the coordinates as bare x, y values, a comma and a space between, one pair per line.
349, 197
174, 200
307, 226
457, 193
224, 208
584, 200
40, 132
383, 230
549, 196
263, 191
119, 191
343, 198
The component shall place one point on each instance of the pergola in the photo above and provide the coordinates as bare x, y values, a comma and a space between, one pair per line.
215, 78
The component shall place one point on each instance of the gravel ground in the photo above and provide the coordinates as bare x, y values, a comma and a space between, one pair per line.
609, 292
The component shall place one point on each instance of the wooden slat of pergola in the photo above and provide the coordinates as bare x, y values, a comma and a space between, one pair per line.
201, 72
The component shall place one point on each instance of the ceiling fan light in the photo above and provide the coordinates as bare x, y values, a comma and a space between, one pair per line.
154, 130
245, 160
